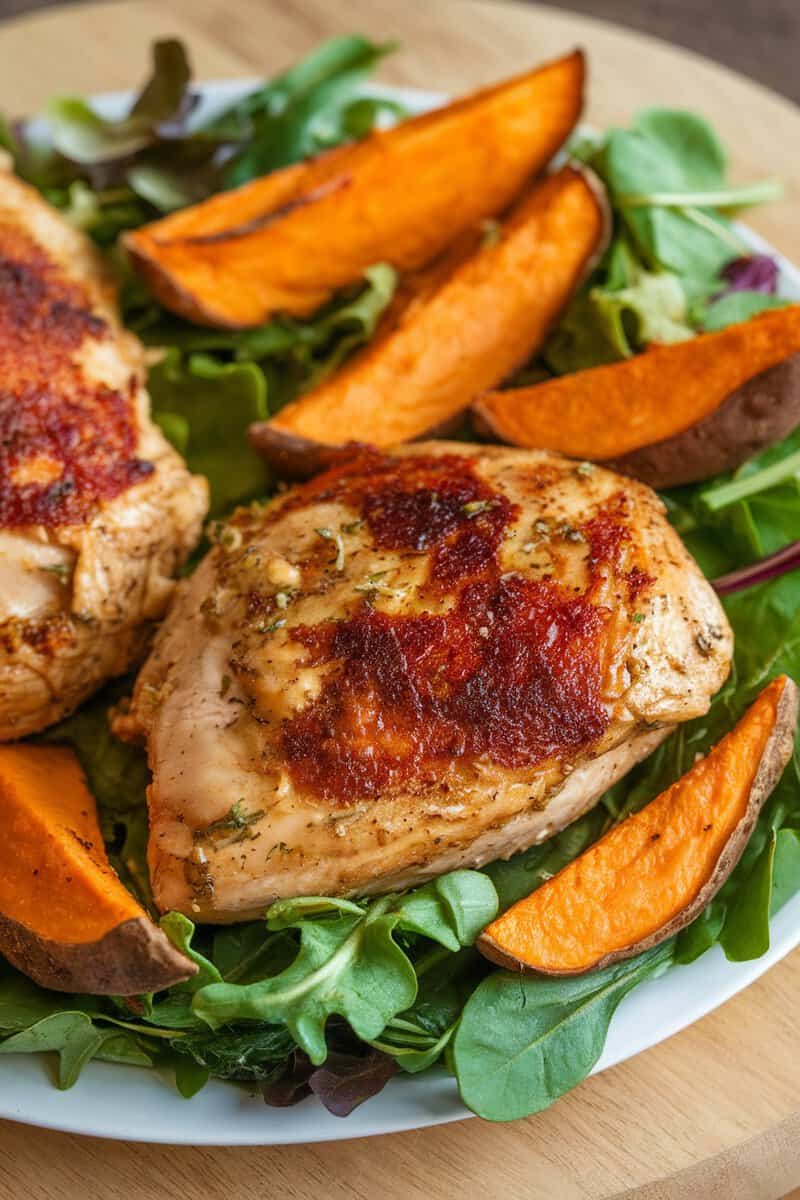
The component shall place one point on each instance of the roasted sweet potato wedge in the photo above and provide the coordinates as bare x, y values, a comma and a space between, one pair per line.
673, 415
287, 242
455, 329
65, 919
652, 874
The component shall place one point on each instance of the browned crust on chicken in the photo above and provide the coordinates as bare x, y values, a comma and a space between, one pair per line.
97, 512
412, 663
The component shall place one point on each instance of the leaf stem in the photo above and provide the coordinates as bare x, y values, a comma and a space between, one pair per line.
717, 498
728, 197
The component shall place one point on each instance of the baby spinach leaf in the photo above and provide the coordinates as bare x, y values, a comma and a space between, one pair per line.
190, 1077
785, 868
739, 306
451, 910
523, 1042
745, 934
704, 931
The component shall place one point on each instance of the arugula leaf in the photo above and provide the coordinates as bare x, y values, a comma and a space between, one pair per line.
523, 1042
180, 931
349, 963
739, 306
305, 109
72, 1035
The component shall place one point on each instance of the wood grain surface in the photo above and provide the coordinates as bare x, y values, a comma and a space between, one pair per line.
713, 1113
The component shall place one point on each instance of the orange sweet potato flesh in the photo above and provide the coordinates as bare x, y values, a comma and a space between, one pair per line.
653, 873
287, 242
457, 328
654, 400
65, 918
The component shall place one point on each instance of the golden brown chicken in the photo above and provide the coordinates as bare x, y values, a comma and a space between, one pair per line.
412, 663
97, 512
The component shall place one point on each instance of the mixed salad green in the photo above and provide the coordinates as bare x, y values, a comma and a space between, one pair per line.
332, 996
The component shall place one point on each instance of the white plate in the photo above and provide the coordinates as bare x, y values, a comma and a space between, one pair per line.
142, 1105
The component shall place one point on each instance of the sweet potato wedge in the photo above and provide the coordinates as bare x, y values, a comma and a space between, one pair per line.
653, 873
65, 919
287, 242
673, 415
457, 328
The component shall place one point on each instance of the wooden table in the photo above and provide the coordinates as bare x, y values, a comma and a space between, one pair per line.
714, 1112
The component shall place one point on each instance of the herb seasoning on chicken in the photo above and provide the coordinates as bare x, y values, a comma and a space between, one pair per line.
414, 662
97, 512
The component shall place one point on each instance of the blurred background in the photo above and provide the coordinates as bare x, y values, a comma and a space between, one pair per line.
760, 38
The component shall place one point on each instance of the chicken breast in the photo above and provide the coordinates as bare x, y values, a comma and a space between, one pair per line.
97, 511
412, 663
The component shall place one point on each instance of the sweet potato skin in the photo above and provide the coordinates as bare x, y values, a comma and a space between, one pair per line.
399, 196
134, 958
66, 921
453, 329
761, 412
777, 748
640, 414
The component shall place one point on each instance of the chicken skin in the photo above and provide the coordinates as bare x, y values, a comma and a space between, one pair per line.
416, 661
97, 511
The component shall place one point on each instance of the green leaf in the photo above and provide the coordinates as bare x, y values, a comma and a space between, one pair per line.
739, 306
215, 402
72, 1035
451, 910
180, 931
619, 316
523, 1042
349, 965
785, 868
22, 1003
82, 135
306, 108
246, 1052
123, 1048
190, 1077
701, 935
745, 934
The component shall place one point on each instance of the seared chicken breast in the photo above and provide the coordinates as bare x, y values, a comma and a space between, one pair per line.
415, 662
97, 511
